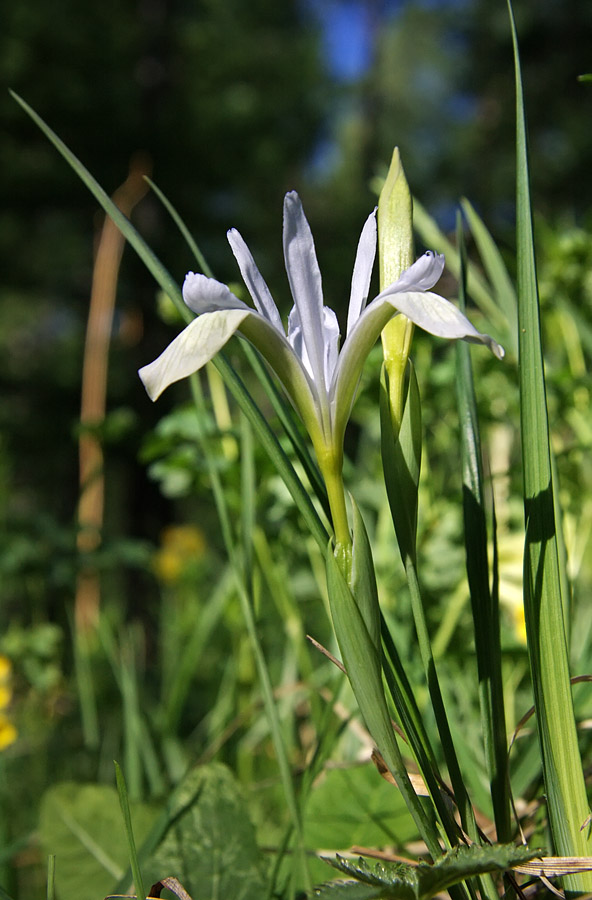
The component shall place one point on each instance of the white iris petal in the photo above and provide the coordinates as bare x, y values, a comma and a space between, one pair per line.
421, 275
362, 274
304, 276
320, 380
204, 295
331, 343
264, 302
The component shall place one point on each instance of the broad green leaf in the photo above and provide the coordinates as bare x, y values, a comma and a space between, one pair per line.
210, 842
82, 825
356, 806
348, 890
396, 881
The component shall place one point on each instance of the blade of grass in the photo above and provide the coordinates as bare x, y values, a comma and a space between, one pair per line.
363, 665
543, 601
129, 833
247, 487
201, 260
477, 287
85, 687
131, 717
401, 459
51, 876
277, 577
496, 271
189, 656
483, 601
235, 385
291, 426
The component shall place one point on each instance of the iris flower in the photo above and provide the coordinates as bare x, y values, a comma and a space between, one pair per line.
320, 379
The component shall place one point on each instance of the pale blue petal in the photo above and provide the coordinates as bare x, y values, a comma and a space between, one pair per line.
204, 295
296, 341
331, 342
362, 271
254, 280
196, 345
305, 282
435, 315
427, 310
421, 276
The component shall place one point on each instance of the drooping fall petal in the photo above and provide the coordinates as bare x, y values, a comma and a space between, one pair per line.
196, 345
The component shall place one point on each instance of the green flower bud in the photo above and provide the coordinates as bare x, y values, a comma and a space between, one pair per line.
396, 254
395, 224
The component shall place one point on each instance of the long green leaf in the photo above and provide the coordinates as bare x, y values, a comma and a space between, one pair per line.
129, 832
363, 665
261, 428
496, 271
401, 457
543, 601
51, 860
477, 287
483, 600
201, 260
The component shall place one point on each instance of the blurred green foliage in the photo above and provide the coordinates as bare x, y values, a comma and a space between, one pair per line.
232, 104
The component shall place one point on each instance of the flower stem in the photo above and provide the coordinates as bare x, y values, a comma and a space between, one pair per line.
331, 465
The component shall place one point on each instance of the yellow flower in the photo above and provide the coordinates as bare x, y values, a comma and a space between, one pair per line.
181, 545
8, 733
5, 677
5, 668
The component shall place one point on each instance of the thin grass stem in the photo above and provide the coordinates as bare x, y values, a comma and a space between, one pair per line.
129, 832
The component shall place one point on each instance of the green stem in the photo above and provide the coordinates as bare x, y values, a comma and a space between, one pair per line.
331, 465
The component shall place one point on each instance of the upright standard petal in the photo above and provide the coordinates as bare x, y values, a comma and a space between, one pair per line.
362, 273
305, 283
204, 295
330, 343
196, 345
254, 280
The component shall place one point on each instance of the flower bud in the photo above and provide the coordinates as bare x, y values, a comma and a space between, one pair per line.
395, 252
